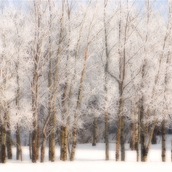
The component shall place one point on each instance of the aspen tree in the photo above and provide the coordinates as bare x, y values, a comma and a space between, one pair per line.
35, 83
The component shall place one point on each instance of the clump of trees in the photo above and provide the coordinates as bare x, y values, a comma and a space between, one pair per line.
82, 71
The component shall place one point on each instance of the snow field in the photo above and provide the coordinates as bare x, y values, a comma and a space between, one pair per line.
91, 159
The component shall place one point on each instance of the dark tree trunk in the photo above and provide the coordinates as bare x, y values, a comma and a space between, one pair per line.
61, 143
64, 143
34, 145
18, 142
118, 141
52, 139
52, 147
37, 142
133, 139
43, 148
122, 138
144, 153
3, 153
9, 146
95, 127
3, 145
0, 144
107, 135
154, 139
163, 131
30, 145
138, 138
74, 143
134, 135
142, 134
8, 136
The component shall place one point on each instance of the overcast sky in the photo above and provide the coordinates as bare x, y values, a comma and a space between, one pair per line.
160, 5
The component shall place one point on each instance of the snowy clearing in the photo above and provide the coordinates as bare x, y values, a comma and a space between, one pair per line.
87, 166
91, 159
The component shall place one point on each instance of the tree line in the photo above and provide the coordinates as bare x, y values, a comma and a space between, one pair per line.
73, 71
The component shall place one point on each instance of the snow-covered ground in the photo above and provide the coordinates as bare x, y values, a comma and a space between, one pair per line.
91, 159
